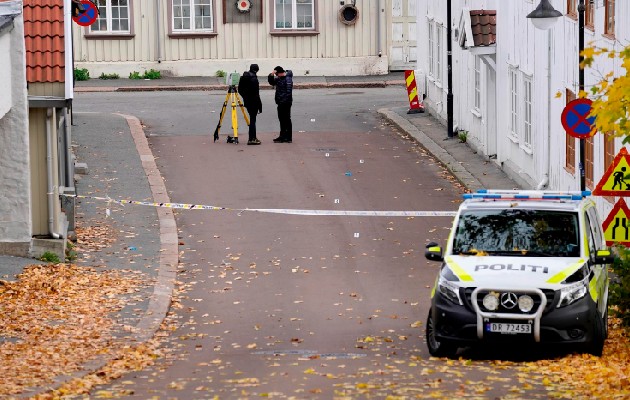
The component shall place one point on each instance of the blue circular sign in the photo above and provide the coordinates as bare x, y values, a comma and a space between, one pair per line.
576, 120
88, 16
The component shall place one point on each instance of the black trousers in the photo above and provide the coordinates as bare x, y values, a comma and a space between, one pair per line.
284, 115
253, 112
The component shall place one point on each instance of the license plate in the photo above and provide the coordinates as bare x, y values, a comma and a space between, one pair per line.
508, 328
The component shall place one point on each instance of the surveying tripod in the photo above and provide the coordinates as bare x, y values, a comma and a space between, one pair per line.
233, 97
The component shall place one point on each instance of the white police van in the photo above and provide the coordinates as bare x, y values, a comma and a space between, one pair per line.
521, 266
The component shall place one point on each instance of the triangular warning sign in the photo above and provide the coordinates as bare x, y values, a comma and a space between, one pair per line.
617, 225
616, 180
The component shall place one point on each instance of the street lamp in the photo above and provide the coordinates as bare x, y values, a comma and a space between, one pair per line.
543, 17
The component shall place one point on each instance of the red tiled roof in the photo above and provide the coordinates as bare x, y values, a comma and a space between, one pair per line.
484, 27
44, 40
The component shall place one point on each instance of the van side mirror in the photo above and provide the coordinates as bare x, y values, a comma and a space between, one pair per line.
603, 257
433, 252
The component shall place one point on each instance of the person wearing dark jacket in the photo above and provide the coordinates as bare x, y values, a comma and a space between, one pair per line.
283, 82
249, 88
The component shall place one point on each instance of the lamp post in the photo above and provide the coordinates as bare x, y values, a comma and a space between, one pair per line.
544, 17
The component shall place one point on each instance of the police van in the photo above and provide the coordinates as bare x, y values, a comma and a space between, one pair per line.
521, 266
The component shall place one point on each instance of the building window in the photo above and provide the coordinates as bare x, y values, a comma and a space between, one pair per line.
431, 50
609, 27
113, 17
572, 8
589, 14
294, 14
527, 112
589, 155
192, 16
569, 148
477, 83
513, 103
438, 53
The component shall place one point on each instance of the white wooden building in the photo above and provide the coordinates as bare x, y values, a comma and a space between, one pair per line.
15, 189
201, 37
509, 92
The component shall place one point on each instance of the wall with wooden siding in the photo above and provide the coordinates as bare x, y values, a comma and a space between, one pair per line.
55, 89
37, 140
337, 47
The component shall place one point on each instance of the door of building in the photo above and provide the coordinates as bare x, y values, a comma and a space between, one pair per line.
403, 50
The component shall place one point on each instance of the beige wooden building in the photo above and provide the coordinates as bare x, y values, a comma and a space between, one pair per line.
201, 37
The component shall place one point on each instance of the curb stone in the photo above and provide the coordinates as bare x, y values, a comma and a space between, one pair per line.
461, 174
160, 300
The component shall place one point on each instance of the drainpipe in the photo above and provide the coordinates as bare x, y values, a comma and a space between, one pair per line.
159, 31
49, 168
379, 5
68, 140
547, 153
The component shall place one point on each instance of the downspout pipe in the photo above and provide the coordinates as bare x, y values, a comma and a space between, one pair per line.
379, 42
52, 229
544, 183
158, 31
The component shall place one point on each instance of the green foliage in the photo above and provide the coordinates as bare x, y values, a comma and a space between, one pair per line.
109, 76
611, 106
50, 257
81, 74
462, 136
620, 286
71, 254
220, 74
152, 74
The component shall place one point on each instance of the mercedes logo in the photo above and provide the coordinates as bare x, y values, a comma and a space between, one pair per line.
508, 300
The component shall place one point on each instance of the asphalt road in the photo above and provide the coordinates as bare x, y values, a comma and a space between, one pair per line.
300, 306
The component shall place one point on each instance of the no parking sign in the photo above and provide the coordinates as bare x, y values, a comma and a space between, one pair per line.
89, 14
576, 120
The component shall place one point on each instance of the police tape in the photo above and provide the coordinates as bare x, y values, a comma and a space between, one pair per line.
288, 211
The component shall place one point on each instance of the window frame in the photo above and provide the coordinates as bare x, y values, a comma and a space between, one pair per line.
128, 34
609, 20
569, 144
589, 15
431, 57
528, 112
513, 130
294, 31
438, 53
477, 81
191, 33
572, 8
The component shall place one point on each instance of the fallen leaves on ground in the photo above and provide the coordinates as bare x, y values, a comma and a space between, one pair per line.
587, 376
55, 318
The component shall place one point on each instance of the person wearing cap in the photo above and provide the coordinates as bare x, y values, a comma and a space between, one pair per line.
249, 89
283, 82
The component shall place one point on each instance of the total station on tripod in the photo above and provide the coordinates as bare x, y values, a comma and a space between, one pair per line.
233, 99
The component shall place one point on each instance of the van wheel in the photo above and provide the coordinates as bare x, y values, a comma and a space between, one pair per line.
596, 346
437, 348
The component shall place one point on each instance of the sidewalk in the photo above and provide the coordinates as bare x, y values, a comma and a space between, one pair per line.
217, 83
153, 231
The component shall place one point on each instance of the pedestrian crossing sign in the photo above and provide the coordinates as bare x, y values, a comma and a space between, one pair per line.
617, 225
616, 179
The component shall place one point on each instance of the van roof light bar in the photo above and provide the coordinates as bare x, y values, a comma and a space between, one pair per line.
490, 194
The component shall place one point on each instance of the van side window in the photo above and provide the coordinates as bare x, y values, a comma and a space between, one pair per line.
596, 227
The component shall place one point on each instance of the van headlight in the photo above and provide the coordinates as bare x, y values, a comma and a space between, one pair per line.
572, 293
447, 288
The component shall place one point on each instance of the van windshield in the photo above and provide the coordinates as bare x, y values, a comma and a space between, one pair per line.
527, 233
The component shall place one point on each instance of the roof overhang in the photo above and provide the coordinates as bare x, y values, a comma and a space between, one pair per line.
48, 102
